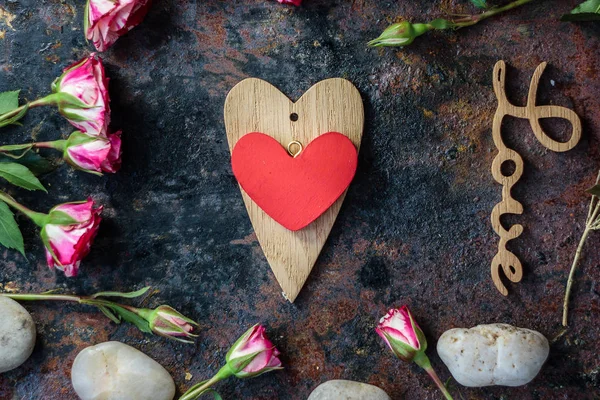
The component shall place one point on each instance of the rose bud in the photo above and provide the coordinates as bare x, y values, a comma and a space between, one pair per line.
253, 354
168, 322
400, 34
93, 154
68, 234
82, 95
402, 334
294, 2
107, 20
400, 331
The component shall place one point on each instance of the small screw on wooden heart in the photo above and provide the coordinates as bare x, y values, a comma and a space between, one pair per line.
294, 143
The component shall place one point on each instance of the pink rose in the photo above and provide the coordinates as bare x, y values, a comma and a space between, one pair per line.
69, 233
83, 95
253, 354
94, 154
294, 2
401, 333
107, 20
403, 336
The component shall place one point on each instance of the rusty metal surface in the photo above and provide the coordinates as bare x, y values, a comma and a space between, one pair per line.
414, 228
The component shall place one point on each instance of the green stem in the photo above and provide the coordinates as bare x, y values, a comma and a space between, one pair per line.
422, 361
85, 300
31, 297
38, 218
65, 297
421, 29
50, 99
473, 19
55, 144
195, 391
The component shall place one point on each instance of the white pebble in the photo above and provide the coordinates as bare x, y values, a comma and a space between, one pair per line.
17, 334
495, 354
347, 390
116, 371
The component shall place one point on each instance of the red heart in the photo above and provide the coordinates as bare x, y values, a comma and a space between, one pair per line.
294, 191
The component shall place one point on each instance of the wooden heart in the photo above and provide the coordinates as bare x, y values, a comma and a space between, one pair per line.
332, 105
294, 189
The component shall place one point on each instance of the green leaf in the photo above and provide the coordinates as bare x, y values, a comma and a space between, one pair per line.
479, 3
595, 190
10, 235
36, 163
131, 317
127, 295
9, 149
13, 120
109, 314
21, 176
216, 395
587, 11
14, 147
196, 386
9, 101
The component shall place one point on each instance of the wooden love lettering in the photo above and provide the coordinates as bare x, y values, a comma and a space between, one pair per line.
504, 259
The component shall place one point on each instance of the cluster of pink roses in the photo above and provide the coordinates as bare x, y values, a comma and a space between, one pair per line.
81, 96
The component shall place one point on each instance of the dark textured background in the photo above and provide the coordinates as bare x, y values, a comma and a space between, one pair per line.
414, 228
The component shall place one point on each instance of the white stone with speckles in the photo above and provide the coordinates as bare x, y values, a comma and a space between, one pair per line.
347, 390
495, 354
17, 334
116, 371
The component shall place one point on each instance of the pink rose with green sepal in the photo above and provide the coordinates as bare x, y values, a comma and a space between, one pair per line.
251, 355
400, 331
86, 82
68, 232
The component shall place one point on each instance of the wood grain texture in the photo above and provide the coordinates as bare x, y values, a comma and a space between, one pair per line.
504, 259
332, 105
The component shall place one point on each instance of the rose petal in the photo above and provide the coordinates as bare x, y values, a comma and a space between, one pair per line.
91, 155
108, 20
